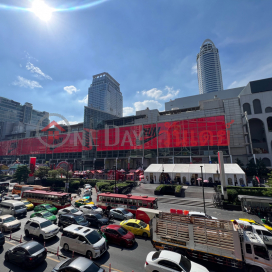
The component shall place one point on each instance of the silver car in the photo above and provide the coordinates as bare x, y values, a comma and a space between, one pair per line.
9, 223
121, 213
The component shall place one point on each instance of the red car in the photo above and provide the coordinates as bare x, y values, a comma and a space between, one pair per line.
118, 235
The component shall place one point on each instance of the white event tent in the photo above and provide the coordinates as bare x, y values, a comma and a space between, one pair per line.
189, 173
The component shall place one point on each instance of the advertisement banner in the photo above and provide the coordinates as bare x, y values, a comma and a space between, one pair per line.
32, 163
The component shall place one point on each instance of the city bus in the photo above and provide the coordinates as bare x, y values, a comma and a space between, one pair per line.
59, 199
18, 188
129, 202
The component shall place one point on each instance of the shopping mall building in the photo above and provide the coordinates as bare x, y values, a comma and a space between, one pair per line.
190, 130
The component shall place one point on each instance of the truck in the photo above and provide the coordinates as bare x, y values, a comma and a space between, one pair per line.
218, 241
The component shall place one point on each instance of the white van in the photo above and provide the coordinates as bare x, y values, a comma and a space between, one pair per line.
13, 207
83, 240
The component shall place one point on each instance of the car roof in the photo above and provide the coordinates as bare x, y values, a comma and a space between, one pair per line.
68, 215
28, 244
259, 227
5, 216
69, 208
81, 263
170, 255
38, 219
133, 221
78, 229
114, 226
120, 209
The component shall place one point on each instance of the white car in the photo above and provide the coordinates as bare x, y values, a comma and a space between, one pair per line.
87, 186
164, 261
90, 209
41, 228
201, 214
70, 210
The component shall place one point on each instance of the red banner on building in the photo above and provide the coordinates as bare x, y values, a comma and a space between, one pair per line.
32, 163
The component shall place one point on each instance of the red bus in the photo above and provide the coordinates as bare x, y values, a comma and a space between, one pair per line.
58, 199
129, 202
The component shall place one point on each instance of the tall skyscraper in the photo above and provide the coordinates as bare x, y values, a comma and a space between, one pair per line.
209, 68
105, 95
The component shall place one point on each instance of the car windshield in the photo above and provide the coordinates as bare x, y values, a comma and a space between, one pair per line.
74, 210
124, 211
66, 263
26, 203
35, 248
155, 205
261, 252
122, 231
20, 207
46, 224
9, 219
185, 263
93, 237
94, 207
47, 214
142, 224
79, 219
48, 206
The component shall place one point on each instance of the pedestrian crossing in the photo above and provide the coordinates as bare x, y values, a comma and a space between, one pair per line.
186, 202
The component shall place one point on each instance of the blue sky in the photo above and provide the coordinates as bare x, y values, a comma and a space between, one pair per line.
148, 46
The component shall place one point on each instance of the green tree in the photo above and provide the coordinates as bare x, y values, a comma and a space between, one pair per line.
240, 163
259, 169
61, 171
53, 173
22, 173
269, 180
42, 172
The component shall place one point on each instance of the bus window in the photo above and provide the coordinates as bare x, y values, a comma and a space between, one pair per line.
134, 202
112, 199
144, 203
108, 199
103, 199
121, 200
130, 202
117, 200
125, 201
140, 203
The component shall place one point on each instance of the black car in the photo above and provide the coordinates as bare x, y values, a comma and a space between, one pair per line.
66, 220
79, 264
28, 254
96, 220
2, 239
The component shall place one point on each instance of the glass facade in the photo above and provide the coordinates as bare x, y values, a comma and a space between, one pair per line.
104, 94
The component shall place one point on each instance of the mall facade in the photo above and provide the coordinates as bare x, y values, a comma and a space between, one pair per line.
190, 130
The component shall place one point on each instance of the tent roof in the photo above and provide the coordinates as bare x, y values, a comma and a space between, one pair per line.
230, 168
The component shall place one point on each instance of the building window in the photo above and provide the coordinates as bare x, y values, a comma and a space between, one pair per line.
258, 136
247, 108
269, 124
257, 106
230, 181
268, 109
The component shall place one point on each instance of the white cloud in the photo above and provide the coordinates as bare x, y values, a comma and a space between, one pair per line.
23, 82
127, 111
84, 100
151, 104
37, 71
158, 94
71, 89
233, 85
62, 122
194, 69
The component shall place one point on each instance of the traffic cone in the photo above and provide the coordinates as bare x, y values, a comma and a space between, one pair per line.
21, 239
109, 267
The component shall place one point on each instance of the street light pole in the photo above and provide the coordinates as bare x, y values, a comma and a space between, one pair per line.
114, 179
203, 189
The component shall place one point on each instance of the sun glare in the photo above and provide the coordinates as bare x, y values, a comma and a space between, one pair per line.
41, 10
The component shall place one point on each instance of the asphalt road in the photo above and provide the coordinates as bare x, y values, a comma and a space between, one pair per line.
120, 259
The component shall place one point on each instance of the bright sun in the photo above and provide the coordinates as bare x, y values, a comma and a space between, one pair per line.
41, 10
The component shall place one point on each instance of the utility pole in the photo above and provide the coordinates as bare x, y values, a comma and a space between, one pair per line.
203, 189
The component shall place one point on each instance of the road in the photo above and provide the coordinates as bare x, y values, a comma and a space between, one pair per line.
121, 260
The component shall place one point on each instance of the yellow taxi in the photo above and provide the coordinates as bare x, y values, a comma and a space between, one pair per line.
137, 227
253, 222
29, 205
83, 201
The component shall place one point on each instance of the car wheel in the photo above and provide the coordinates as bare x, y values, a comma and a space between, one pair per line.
41, 237
89, 255
255, 269
27, 233
66, 247
155, 271
145, 235
123, 244
6, 257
